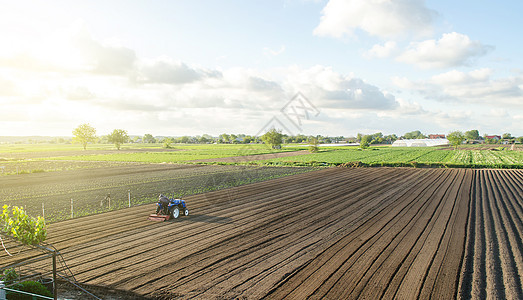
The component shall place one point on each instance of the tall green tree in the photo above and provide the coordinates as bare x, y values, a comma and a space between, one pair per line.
414, 135
149, 138
84, 134
167, 142
391, 138
472, 135
118, 137
456, 138
273, 138
365, 141
223, 138
313, 144
184, 139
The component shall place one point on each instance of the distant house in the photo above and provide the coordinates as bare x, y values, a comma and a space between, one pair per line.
493, 137
436, 136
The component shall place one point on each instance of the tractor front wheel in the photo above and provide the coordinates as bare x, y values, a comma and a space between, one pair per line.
186, 212
175, 213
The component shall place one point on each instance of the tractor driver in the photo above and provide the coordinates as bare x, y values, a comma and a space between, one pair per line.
164, 201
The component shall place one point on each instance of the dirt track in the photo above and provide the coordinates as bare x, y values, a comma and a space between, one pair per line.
335, 233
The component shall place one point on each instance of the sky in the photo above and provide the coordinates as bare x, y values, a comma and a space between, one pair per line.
174, 68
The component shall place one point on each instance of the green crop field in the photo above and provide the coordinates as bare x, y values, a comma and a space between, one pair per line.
49, 157
388, 156
182, 153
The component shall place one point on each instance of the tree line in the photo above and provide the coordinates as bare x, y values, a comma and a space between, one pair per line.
85, 134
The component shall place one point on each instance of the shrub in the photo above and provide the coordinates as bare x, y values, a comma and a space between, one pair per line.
33, 287
9, 275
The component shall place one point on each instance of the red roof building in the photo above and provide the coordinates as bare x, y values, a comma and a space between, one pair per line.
436, 136
493, 137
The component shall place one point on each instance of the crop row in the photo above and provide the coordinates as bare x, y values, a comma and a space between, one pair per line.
183, 155
406, 156
41, 166
93, 194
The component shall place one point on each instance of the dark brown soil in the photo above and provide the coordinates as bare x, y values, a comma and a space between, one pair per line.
339, 233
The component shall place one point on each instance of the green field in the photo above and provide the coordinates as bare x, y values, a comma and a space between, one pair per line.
179, 154
474, 157
14, 156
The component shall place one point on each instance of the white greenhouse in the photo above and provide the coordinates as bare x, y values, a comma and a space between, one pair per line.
420, 143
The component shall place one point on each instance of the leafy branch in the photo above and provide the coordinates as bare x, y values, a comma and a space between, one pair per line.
26, 229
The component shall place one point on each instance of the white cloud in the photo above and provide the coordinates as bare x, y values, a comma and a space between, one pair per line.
7, 87
499, 113
409, 108
403, 83
455, 77
165, 70
475, 86
453, 49
333, 90
269, 52
78, 93
382, 18
382, 51
106, 58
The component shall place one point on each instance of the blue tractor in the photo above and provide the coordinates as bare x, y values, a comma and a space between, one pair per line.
169, 208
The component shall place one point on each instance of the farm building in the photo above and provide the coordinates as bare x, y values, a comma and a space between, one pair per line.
493, 137
420, 143
436, 136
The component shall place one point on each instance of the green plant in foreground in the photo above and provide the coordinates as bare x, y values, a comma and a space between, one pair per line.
33, 287
9, 275
26, 229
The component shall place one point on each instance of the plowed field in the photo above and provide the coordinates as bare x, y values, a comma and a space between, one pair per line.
335, 233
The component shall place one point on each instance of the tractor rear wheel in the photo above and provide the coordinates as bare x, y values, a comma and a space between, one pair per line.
186, 212
175, 213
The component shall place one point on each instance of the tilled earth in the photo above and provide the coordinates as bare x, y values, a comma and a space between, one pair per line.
336, 233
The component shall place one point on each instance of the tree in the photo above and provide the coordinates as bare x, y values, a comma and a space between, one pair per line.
203, 139
118, 137
149, 138
184, 139
233, 138
376, 138
456, 138
365, 141
472, 135
414, 135
248, 139
223, 138
273, 138
390, 138
313, 144
84, 134
507, 136
167, 142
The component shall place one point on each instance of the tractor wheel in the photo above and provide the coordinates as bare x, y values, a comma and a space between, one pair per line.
186, 212
175, 213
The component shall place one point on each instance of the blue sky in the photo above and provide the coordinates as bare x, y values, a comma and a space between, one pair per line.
209, 67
